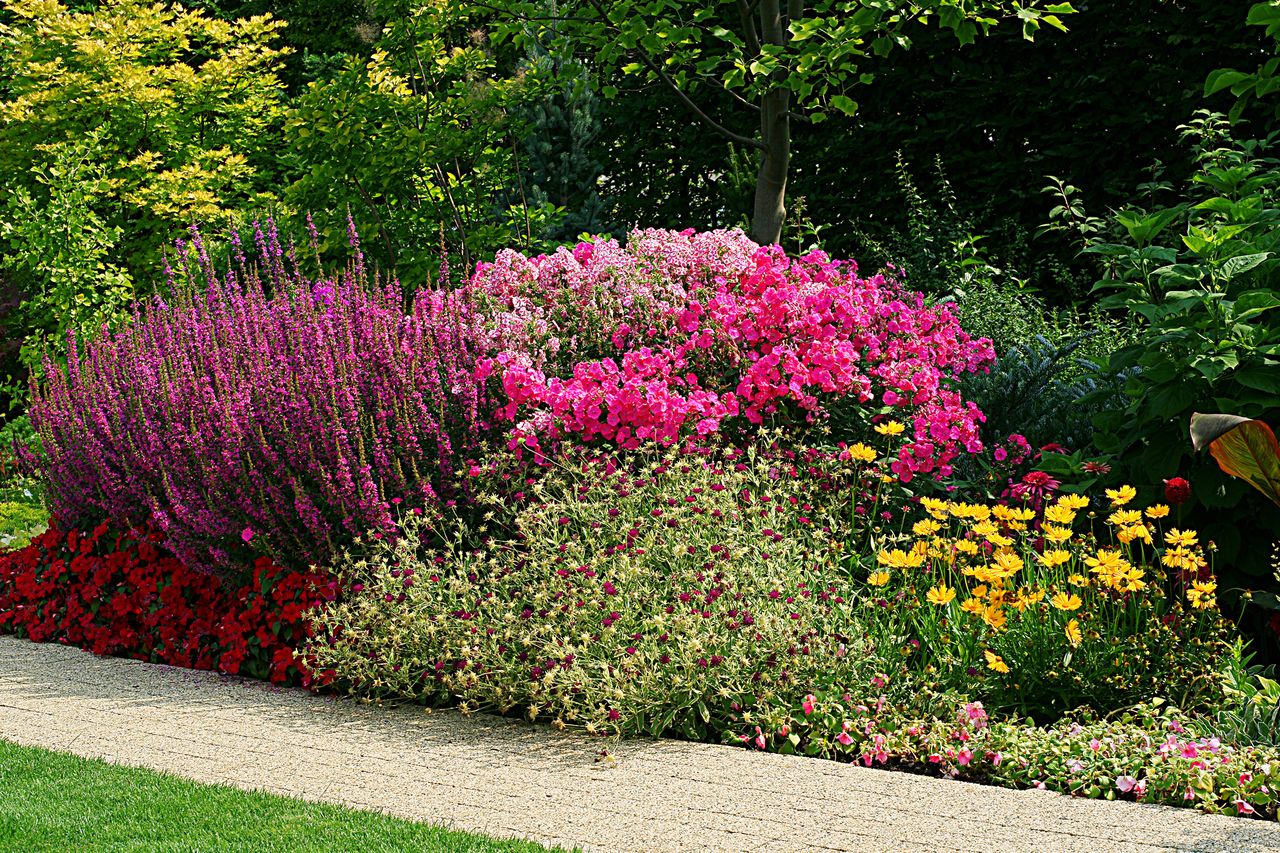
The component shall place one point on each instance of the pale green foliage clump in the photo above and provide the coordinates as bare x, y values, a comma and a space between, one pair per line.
657, 599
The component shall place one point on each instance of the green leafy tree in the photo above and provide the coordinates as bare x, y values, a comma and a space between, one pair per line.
183, 107
798, 59
417, 143
120, 125
559, 143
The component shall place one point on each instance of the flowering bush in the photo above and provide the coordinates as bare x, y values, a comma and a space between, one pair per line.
647, 593
681, 333
263, 412
1038, 607
123, 594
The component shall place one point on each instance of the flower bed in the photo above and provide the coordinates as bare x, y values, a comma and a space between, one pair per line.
123, 594
686, 486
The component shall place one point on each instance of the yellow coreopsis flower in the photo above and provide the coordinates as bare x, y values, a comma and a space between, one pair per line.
1076, 502
995, 662
1200, 594
994, 616
986, 527
1157, 511
1055, 534
878, 578
973, 606
967, 546
1125, 535
1054, 557
1066, 601
1059, 514
861, 453
1182, 538
926, 527
1072, 630
1107, 561
1007, 562
1125, 517
1182, 558
1078, 580
935, 507
1132, 581
1026, 598
890, 428
941, 595
999, 541
899, 559
1122, 495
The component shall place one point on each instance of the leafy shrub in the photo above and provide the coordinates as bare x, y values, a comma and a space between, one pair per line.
651, 593
1036, 389
1039, 608
122, 594
1201, 272
1250, 710
19, 522
263, 412
119, 123
681, 333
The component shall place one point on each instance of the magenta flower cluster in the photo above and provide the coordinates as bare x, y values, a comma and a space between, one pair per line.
260, 411
680, 333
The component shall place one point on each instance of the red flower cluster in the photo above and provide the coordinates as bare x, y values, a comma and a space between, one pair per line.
123, 594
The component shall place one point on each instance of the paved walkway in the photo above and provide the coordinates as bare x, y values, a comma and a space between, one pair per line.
507, 778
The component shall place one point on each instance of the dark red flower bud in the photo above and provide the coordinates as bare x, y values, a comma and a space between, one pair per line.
1177, 490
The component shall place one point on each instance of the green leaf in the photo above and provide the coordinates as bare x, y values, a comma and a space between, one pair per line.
1243, 263
1221, 79
844, 104
1142, 227
1243, 448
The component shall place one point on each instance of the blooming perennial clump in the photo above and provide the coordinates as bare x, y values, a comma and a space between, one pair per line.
652, 592
680, 334
1044, 606
1149, 754
263, 412
123, 594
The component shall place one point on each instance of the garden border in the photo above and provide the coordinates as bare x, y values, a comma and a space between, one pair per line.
506, 778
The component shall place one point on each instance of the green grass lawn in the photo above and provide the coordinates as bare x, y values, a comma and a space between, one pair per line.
50, 801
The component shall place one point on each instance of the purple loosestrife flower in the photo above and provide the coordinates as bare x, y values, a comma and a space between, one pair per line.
258, 401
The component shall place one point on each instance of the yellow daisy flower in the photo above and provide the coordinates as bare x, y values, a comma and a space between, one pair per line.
941, 595
1065, 601
1122, 495
995, 662
890, 428
1059, 514
926, 527
1072, 631
1055, 557
861, 453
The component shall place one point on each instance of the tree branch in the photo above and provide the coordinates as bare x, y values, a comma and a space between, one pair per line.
748, 141
749, 28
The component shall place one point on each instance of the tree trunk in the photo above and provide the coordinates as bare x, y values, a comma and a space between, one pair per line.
770, 209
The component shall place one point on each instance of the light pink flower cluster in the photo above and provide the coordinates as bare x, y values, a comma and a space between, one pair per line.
677, 333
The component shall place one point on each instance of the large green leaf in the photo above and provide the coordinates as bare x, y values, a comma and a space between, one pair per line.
1243, 447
